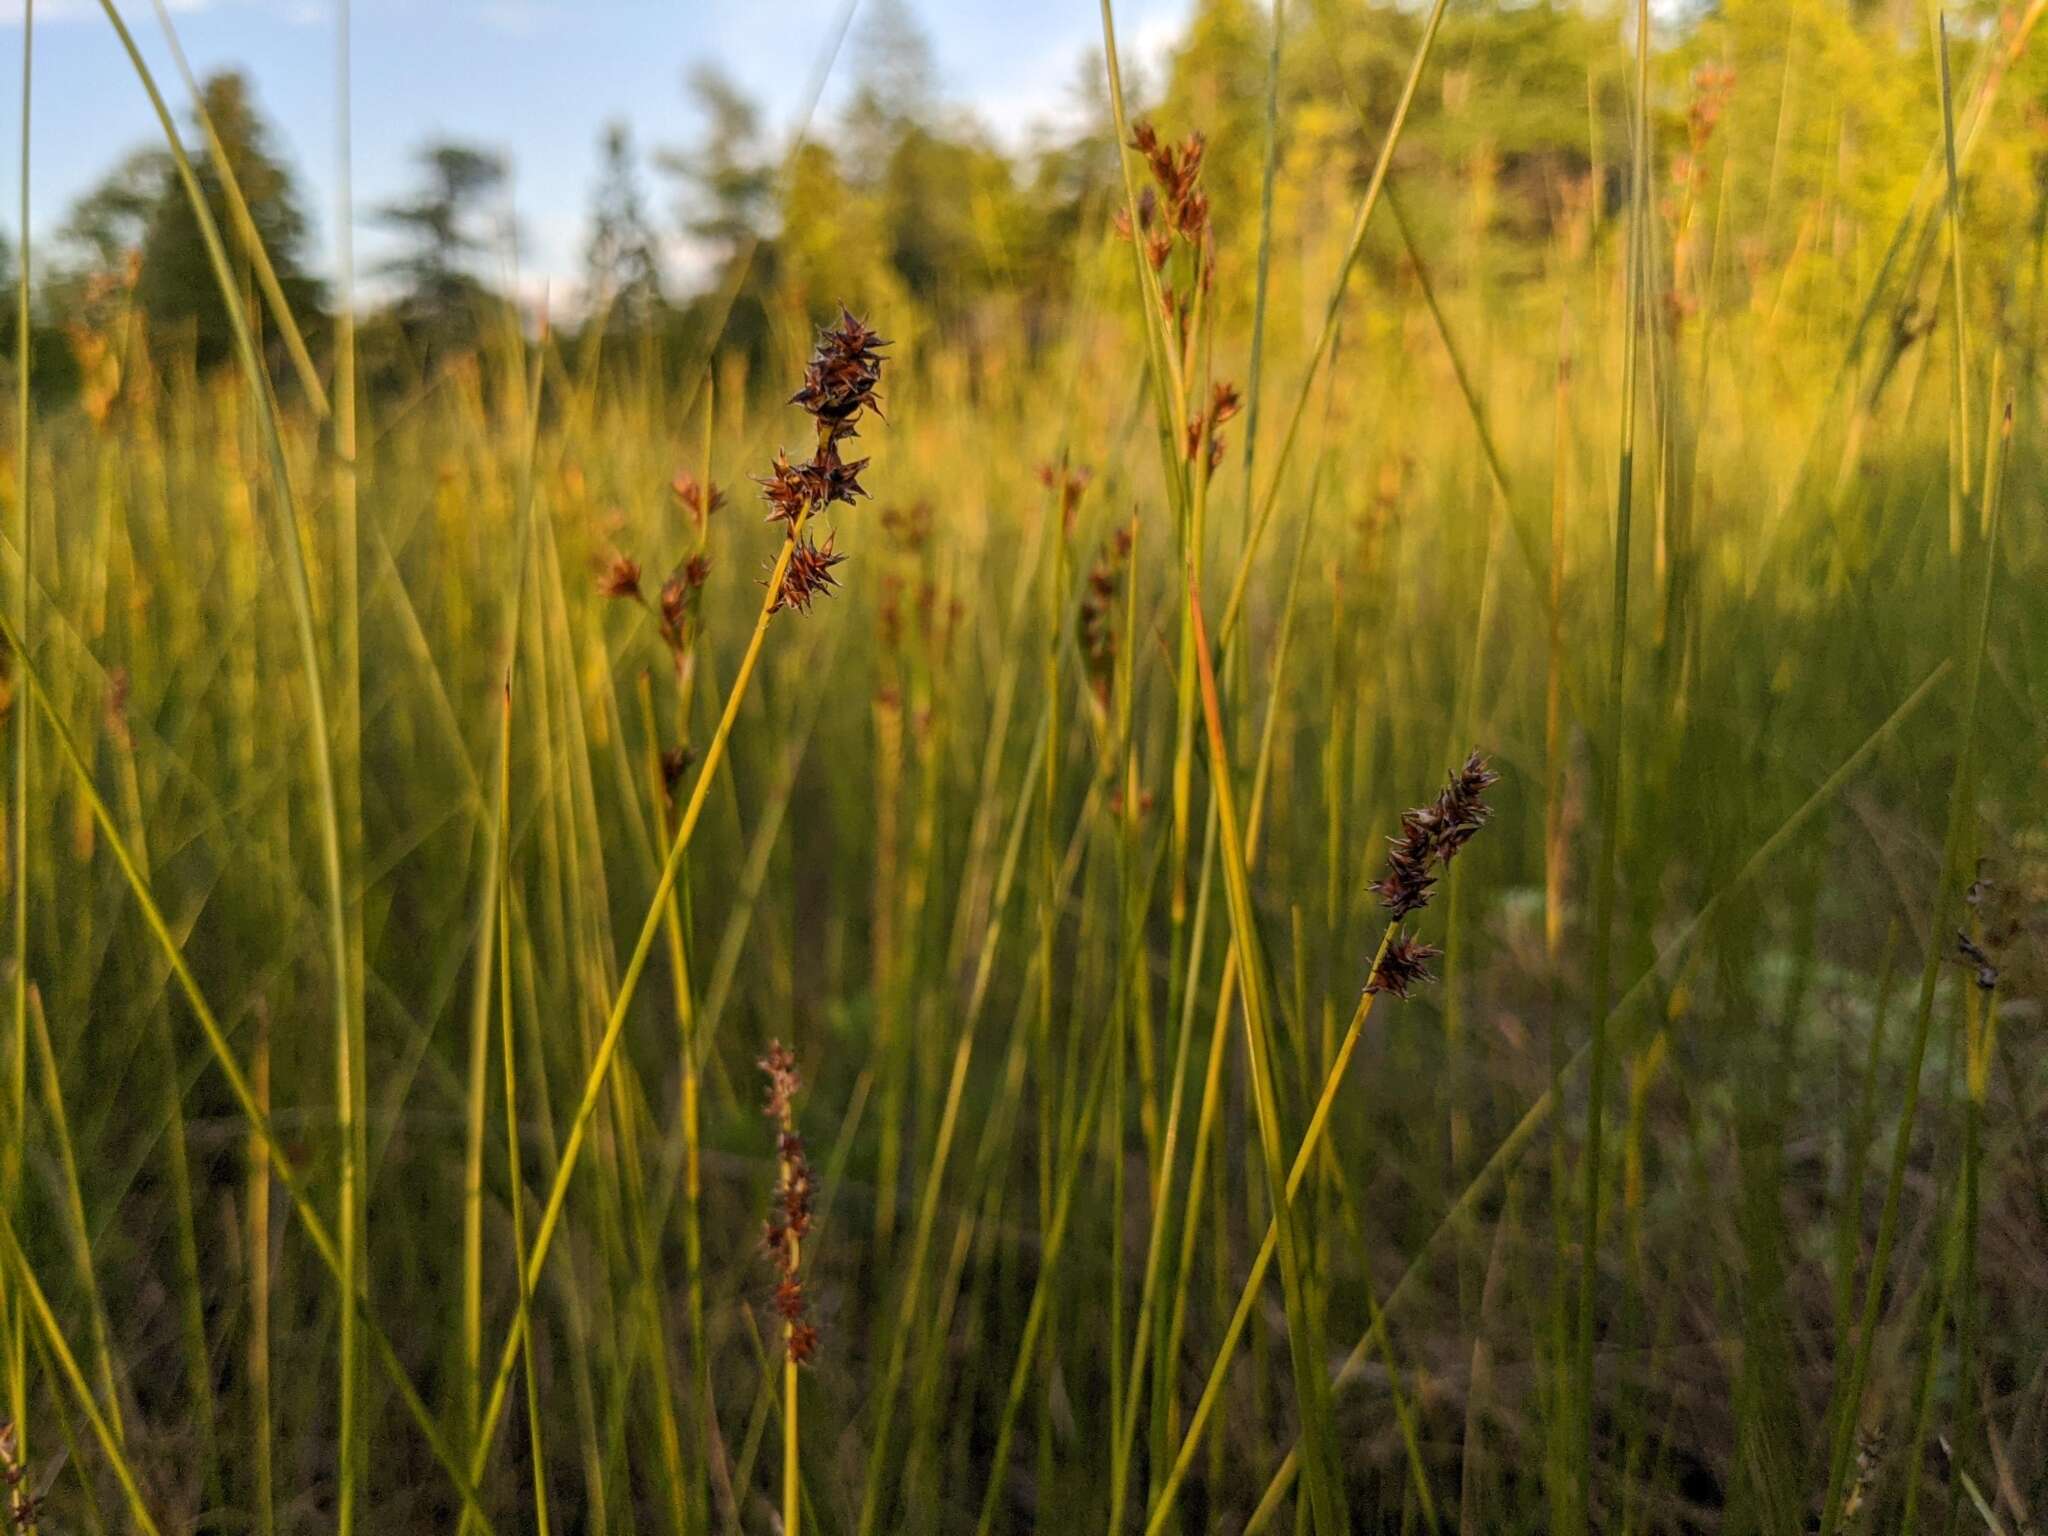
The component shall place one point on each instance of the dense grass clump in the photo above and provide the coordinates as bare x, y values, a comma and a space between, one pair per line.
1416, 907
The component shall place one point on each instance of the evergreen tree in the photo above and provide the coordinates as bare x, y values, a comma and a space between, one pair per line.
726, 208
106, 227
446, 230
727, 182
621, 261
178, 287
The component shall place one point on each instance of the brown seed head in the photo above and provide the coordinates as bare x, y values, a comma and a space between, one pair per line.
839, 381
1404, 966
620, 578
699, 498
784, 1082
786, 488
675, 762
1431, 836
789, 1217
1097, 617
675, 604
808, 575
1177, 172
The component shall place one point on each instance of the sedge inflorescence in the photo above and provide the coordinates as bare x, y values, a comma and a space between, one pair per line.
838, 389
1096, 619
789, 1216
1430, 838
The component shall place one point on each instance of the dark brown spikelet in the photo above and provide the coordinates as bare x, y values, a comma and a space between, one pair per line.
808, 575
1158, 241
1176, 169
840, 379
1974, 956
1431, 836
1404, 966
1410, 879
839, 385
1462, 808
675, 602
1177, 172
1224, 404
833, 479
784, 1082
786, 488
1097, 617
789, 1218
675, 762
700, 498
1067, 486
620, 578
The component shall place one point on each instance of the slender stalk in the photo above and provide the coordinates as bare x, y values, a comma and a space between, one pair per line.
1952, 213
1248, 1295
347, 1019
251, 242
514, 1171
1605, 877
1311, 1384
629, 982
74, 1210
258, 1157
345, 797
53, 1338
1034, 1316
792, 1474
258, 1117
1326, 334
1846, 1399
1669, 961
12, 1320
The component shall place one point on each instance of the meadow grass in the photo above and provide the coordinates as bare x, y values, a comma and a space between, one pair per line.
404, 882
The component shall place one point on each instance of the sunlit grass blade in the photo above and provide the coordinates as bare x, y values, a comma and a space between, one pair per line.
31, 1294
348, 1045
13, 1323
248, 240
1311, 1384
1326, 334
1606, 875
288, 1176
1671, 957
1846, 1397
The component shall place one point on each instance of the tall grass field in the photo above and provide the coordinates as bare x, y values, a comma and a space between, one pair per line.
1339, 829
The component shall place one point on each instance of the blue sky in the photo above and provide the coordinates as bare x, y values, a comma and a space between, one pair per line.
535, 79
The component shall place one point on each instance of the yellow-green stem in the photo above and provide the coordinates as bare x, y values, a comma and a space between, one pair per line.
629, 983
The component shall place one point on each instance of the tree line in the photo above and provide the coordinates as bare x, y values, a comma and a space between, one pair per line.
913, 206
